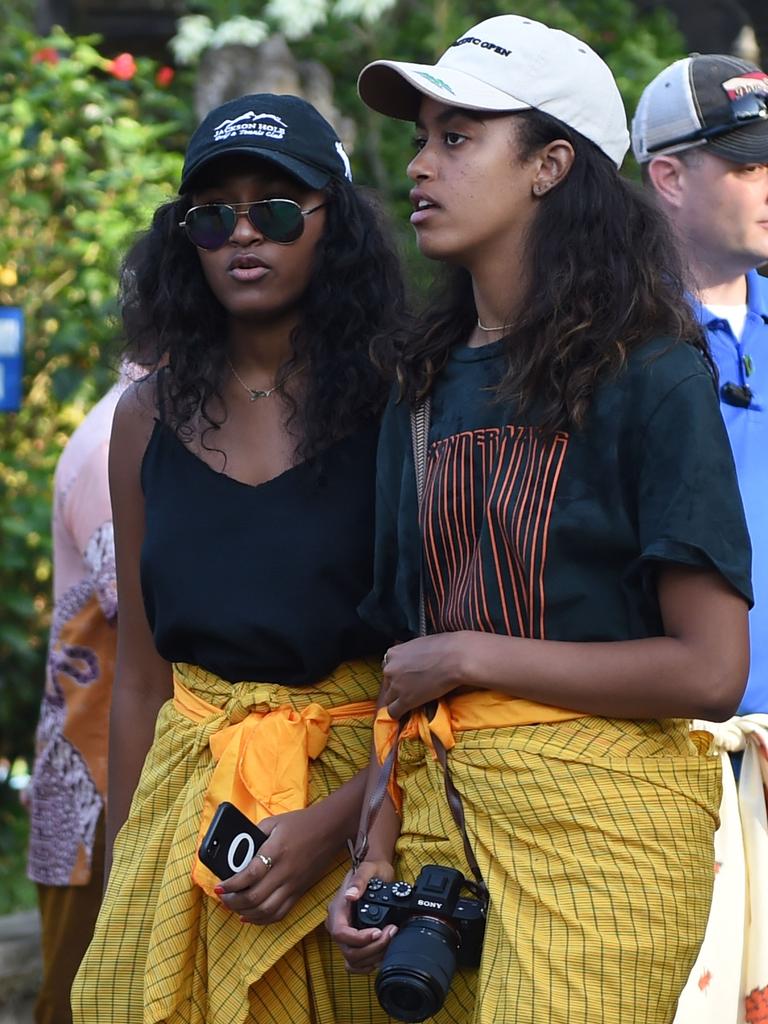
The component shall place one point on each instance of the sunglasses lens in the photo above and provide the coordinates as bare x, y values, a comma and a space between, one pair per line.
209, 227
751, 107
281, 220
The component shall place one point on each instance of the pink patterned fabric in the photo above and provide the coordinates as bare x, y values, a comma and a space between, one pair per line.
68, 784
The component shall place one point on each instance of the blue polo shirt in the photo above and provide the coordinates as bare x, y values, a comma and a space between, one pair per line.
745, 361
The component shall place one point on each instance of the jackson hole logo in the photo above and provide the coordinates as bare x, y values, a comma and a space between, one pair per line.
250, 123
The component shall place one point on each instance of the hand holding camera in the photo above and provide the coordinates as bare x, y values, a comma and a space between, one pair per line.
439, 929
362, 948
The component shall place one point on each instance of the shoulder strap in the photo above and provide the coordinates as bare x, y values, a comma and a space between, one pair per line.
420, 421
160, 390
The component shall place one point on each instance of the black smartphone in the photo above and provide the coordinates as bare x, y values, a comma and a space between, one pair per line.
231, 842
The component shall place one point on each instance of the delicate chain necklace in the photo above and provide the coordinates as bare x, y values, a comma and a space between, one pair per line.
263, 392
501, 327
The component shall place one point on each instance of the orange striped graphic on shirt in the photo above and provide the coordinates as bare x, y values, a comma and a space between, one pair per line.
487, 508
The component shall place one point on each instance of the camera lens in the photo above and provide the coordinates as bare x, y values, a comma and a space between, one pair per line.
417, 969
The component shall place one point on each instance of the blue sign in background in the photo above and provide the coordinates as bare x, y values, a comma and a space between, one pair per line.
11, 347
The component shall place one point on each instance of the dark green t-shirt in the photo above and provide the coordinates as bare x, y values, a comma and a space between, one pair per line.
555, 537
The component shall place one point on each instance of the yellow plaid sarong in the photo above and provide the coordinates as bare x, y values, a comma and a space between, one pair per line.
164, 952
595, 837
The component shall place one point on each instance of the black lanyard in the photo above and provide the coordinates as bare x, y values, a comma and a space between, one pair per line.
420, 417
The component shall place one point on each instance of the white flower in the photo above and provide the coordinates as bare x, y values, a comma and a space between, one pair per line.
193, 35
242, 30
296, 18
368, 10
92, 112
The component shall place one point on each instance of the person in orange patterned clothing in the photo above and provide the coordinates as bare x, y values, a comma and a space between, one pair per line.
67, 791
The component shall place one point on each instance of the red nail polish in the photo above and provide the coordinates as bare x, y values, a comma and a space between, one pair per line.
219, 889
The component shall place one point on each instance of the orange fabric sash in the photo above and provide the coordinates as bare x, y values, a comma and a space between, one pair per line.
470, 709
262, 762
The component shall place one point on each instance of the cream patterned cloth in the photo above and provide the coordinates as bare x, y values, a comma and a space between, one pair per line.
729, 981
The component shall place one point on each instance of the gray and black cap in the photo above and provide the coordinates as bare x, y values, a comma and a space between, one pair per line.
711, 100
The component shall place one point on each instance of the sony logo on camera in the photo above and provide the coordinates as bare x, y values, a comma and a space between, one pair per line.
429, 903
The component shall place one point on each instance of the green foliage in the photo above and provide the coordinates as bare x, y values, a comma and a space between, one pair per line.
16, 891
85, 158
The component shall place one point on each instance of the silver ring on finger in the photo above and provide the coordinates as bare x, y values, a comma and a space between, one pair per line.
265, 860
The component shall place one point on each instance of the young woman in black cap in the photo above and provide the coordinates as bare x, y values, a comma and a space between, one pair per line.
242, 479
581, 550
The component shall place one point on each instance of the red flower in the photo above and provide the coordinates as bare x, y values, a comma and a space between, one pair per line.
705, 980
164, 76
122, 67
757, 1006
46, 56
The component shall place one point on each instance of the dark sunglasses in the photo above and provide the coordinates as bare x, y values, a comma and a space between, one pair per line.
750, 108
280, 220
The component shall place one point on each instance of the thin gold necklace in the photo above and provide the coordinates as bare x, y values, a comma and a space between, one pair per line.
256, 393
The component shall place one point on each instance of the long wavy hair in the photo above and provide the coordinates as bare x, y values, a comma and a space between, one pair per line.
602, 275
355, 292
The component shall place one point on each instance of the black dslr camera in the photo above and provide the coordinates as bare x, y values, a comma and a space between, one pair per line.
439, 930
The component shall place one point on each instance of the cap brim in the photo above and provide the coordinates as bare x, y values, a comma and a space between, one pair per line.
396, 88
312, 177
747, 145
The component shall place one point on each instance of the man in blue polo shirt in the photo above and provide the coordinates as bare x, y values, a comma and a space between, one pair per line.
700, 134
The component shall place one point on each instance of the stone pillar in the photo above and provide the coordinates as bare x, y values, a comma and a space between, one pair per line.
232, 70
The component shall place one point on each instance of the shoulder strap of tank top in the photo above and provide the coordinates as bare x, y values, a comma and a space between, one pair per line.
161, 383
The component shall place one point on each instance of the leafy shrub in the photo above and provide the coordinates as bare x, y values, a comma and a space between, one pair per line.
88, 147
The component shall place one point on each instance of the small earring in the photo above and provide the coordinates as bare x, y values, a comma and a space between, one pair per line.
539, 189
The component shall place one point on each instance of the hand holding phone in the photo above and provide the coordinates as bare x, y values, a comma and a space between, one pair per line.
231, 842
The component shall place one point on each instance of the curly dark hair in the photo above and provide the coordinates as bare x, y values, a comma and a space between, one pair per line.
355, 292
603, 277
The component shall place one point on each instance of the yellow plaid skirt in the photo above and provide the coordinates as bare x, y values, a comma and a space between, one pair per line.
595, 837
165, 952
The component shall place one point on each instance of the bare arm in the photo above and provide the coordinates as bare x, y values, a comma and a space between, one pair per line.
698, 669
142, 678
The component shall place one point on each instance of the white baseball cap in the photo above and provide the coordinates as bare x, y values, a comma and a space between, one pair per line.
504, 64
709, 99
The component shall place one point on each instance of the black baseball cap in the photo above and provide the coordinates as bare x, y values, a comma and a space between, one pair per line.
712, 100
284, 130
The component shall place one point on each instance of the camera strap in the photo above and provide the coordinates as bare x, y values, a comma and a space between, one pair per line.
420, 419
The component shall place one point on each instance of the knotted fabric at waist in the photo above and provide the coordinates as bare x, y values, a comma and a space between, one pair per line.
470, 709
261, 742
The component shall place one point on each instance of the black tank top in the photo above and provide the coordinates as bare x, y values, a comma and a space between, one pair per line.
259, 582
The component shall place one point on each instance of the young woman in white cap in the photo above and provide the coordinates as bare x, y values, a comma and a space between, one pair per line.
582, 555
242, 482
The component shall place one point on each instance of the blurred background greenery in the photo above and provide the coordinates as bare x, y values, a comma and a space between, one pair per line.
90, 142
